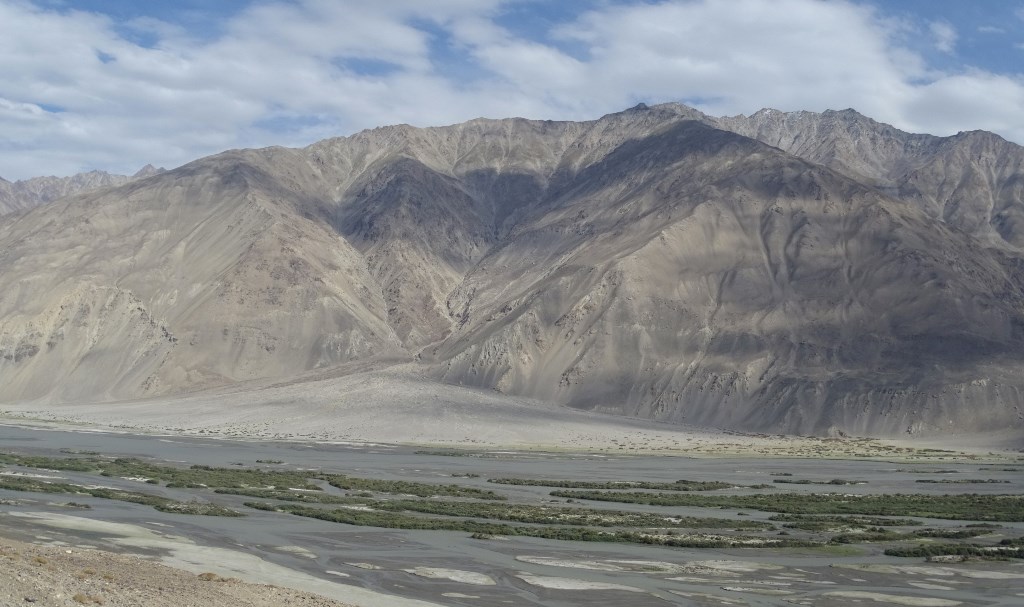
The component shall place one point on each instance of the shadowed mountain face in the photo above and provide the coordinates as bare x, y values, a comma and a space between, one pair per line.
798, 272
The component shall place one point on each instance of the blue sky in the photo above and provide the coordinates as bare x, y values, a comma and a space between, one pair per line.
114, 85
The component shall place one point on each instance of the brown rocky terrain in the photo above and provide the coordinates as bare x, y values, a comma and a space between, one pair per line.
803, 273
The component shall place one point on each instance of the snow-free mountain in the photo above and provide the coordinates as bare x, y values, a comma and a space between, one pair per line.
28, 193
784, 272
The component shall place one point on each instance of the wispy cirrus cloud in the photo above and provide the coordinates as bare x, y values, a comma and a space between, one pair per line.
944, 35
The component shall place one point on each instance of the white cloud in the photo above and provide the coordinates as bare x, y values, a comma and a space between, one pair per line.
77, 94
943, 35
990, 29
976, 100
744, 54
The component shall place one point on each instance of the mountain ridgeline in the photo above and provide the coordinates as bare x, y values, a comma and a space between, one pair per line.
28, 193
782, 272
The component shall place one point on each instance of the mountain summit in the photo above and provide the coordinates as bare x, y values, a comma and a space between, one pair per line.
785, 272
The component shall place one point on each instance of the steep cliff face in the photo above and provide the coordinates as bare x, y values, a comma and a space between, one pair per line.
782, 272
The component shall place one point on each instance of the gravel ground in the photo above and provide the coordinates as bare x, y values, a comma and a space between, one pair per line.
59, 577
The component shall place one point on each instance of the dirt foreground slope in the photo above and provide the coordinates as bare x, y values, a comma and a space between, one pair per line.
57, 576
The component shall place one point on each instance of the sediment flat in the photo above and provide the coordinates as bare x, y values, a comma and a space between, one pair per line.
396, 407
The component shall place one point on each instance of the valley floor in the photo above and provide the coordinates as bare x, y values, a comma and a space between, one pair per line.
360, 524
396, 407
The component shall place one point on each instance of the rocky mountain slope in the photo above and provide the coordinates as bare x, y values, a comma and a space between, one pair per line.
973, 180
808, 273
28, 193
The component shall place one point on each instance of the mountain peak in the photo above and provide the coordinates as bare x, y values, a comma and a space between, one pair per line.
148, 171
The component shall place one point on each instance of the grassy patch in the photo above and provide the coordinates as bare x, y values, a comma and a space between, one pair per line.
448, 453
69, 464
826, 522
203, 477
306, 497
522, 513
207, 476
351, 483
160, 503
397, 520
880, 534
975, 551
680, 485
955, 507
192, 477
803, 481
961, 481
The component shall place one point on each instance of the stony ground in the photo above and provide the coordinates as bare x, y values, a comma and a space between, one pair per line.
59, 577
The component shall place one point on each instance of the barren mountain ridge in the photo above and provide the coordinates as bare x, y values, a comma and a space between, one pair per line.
783, 272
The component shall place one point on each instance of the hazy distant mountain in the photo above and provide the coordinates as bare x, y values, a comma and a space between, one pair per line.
783, 272
28, 193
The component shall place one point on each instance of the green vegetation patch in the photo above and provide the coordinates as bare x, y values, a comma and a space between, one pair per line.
961, 481
207, 476
448, 453
523, 513
193, 477
974, 551
201, 477
306, 497
837, 522
955, 507
520, 513
69, 464
803, 481
880, 534
680, 485
396, 520
160, 503
351, 483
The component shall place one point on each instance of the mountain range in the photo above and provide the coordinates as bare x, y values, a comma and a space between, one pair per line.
814, 273
28, 193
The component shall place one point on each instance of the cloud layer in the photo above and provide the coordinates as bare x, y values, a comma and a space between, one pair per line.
83, 90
